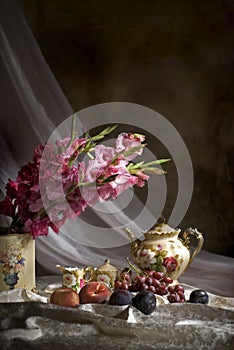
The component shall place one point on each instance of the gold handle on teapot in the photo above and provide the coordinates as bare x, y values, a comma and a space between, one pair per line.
89, 270
200, 241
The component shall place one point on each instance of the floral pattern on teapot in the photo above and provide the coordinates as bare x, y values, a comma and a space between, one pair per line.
162, 250
156, 259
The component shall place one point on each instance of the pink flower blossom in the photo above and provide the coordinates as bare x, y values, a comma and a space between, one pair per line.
38, 227
56, 186
7, 207
12, 188
36, 206
103, 159
38, 151
71, 151
141, 179
126, 141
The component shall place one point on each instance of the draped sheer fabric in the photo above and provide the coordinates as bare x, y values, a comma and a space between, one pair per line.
32, 106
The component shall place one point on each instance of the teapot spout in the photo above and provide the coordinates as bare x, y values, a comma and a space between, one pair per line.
61, 268
134, 241
131, 235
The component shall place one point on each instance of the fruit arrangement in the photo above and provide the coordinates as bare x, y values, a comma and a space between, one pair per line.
139, 291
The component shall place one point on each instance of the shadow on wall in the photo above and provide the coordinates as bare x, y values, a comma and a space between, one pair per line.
174, 57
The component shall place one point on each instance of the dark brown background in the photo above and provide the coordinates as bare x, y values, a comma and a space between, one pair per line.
175, 57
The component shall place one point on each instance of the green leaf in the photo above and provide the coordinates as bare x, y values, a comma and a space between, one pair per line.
159, 260
151, 170
135, 166
104, 132
163, 253
73, 132
159, 161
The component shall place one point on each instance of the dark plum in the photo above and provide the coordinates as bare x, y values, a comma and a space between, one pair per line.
121, 297
199, 296
145, 302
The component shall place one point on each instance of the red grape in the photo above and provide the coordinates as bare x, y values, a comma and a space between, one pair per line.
118, 284
158, 275
149, 281
144, 286
141, 279
150, 273
125, 276
179, 288
173, 298
155, 282
162, 290
152, 289
167, 280
181, 295
125, 285
171, 289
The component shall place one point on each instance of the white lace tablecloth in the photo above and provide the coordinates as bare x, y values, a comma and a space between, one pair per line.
28, 321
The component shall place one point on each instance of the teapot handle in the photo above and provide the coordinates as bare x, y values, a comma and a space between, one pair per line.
200, 241
90, 271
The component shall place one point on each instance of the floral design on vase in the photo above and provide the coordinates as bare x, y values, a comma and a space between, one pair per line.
11, 263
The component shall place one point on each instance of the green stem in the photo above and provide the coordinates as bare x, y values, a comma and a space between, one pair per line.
138, 271
73, 132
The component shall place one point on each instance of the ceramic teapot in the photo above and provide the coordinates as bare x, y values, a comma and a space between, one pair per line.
105, 273
162, 250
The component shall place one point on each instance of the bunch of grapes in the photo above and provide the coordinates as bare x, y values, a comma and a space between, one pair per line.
176, 294
153, 281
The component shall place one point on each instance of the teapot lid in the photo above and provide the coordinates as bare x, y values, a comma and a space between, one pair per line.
162, 228
107, 266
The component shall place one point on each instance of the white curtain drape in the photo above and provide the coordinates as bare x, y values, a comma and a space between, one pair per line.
32, 105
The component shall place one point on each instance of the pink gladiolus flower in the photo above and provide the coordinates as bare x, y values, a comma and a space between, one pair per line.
38, 227
96, 167
7, 207
126, 141
12, 188
141, 179
35, 207
38, 151
56, 186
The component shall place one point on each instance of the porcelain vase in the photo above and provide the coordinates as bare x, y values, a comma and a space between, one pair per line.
17, 261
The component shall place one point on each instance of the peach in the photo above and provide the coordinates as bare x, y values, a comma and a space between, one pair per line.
65, 297
94, 292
